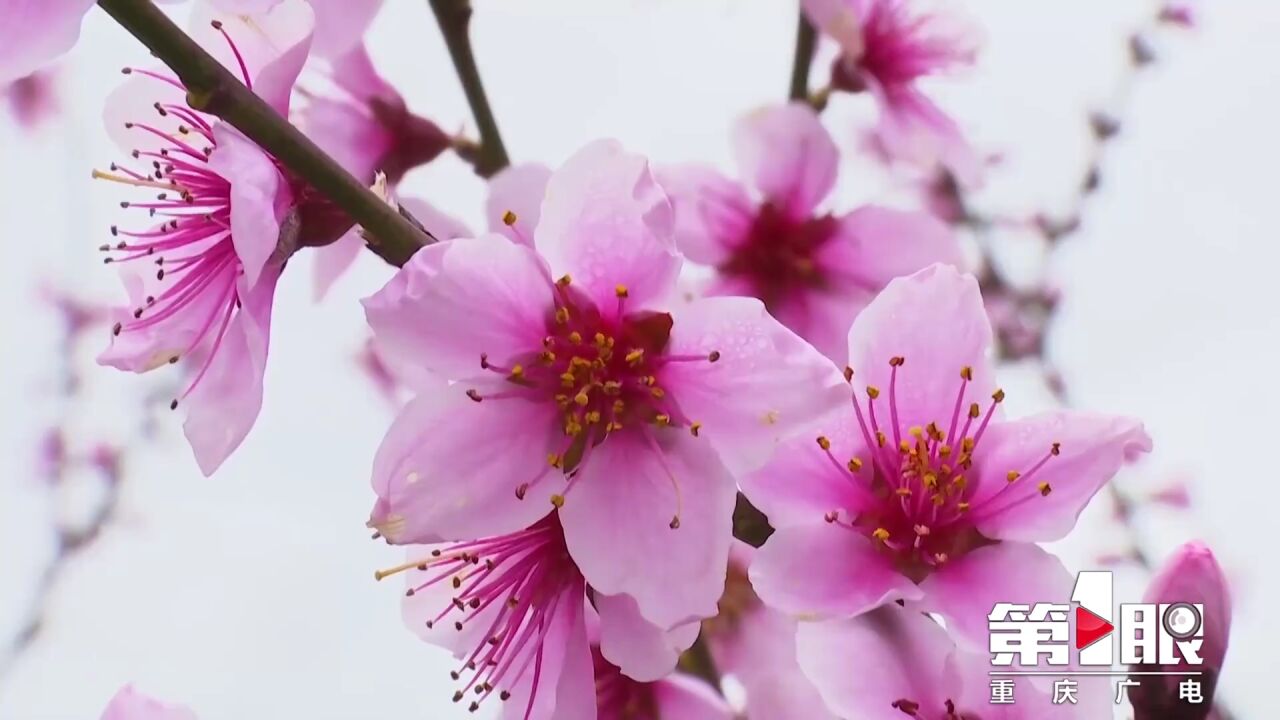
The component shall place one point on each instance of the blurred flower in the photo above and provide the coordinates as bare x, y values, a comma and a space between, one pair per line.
35, 32
896, 663
512, 609
757, 646
32, 99
931, 497
886, 46
129, 704
1191, 575
229, 219
581, 393
675, 697
813, 270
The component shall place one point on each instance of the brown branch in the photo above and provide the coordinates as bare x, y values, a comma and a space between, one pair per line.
806, 44
214, 90
454, 19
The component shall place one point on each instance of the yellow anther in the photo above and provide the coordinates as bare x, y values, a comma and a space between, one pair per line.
618, 406
564, 280
944, 451
940, 558
1056, 449
593, 417
613, 426
657, 392
880, 438
612, 387
580, 362
650, 380
904, 446
824, 443
855, 465
903, 491
998, 395
575, 337
599, 338
547, 357
557, 501
694, 428
582, 398
562, 400
662, 420
508, 218
939, 500
562, 315
916, 432
966, 373
1044, 488
930, 480
517, 371
962, 507
974, 410
880, 534
959, 482
1012, 475
634, 356
897, 361
568, 379
554, 460
873, 392
620, 290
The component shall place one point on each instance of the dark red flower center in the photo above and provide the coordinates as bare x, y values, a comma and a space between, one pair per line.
779, 254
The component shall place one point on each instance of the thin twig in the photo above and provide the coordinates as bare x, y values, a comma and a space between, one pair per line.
806, 44
454, 19
214, 90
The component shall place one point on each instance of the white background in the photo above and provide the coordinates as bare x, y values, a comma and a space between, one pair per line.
250, 595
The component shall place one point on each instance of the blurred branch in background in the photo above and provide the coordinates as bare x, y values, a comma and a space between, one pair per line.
1022, 316
83, 484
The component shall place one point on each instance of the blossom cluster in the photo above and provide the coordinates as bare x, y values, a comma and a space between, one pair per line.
625, 354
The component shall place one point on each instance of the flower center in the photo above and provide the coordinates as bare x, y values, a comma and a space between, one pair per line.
915, 486
602, 370
511, 587
778, 256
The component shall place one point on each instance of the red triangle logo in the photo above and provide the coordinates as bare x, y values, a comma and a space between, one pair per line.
1090, 628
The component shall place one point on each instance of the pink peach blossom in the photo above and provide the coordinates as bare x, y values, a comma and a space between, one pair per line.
920, 492
886, 46
129, 704
1190, 575
896, 663
201, 281
573, 388
512, 609
767, 238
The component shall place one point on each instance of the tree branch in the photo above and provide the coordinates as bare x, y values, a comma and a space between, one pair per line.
454, 19
214, 90
806, 44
